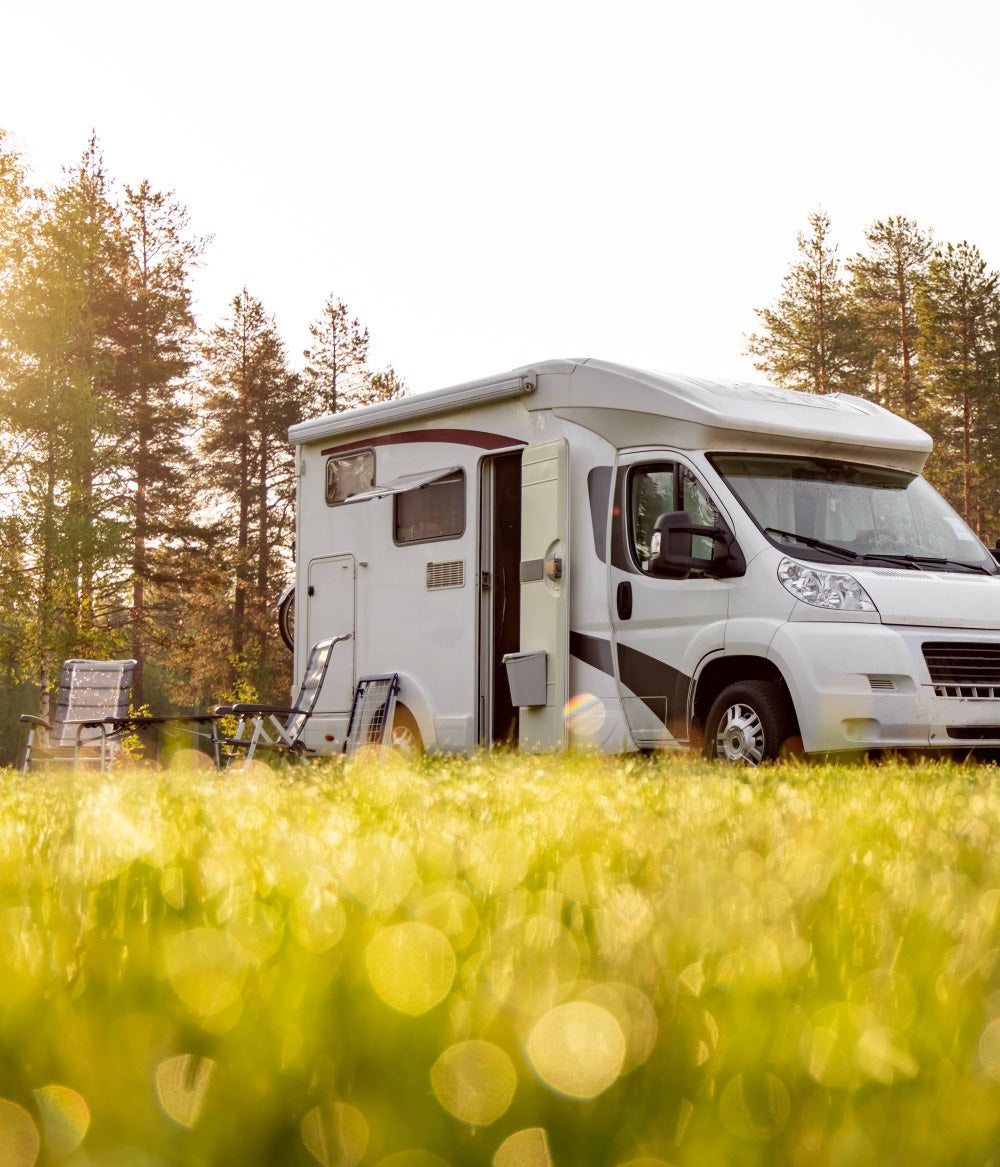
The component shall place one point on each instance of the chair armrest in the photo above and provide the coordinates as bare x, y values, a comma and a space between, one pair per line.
30, 719
104, 724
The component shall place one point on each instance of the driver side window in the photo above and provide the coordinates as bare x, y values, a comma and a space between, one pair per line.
659, 488
651, 494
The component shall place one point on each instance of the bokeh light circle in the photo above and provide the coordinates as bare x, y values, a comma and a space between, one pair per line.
19, 1140
65, 1117
206, 969
336, 1136
527, 1148
411, 966
474, 1081
577, 1049
633, 1011
181, 1085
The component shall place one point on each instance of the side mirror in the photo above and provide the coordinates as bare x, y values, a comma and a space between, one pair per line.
671, 551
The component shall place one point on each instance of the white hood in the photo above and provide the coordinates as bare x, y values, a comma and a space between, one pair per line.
939, 599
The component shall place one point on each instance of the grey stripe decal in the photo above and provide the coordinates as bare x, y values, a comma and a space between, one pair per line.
652, 681
592, 650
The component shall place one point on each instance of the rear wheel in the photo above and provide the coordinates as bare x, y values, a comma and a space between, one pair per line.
405, 734
748, 723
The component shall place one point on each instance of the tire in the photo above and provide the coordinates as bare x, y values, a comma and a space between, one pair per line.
748, 723
286, 618
405, 734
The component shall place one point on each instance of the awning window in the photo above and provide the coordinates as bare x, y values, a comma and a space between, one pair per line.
403, 483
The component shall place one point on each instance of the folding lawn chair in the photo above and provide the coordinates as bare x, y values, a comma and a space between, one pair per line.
92, 697
278, 727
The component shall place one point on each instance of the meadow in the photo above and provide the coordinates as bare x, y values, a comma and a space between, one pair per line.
509, 961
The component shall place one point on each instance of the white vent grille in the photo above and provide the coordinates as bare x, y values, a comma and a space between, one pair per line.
445, 575
881, 684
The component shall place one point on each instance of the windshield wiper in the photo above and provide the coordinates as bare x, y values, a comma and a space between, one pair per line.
809, 541
919, 560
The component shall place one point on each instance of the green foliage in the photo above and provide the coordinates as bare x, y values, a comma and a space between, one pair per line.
917, 327
812, 337
252, 399
145, 499
958, 309
885, 284
503, 960
335, 374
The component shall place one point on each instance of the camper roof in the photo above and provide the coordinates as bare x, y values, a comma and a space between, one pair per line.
631, 407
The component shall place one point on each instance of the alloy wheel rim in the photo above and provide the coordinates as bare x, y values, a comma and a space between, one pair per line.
740, 736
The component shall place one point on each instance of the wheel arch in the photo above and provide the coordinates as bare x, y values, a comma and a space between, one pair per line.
416, 700
726, 670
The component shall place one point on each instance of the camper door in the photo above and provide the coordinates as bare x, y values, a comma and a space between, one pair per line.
539, 672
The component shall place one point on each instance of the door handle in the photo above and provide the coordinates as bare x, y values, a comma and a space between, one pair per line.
624, 600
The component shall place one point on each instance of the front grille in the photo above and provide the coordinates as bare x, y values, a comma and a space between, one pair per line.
963, 669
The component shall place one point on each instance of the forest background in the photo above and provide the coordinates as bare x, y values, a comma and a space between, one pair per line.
146, 485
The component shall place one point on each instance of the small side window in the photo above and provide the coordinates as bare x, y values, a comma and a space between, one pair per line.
349, 474
433, 511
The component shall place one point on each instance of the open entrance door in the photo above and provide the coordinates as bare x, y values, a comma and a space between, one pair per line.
500, 595
544, 578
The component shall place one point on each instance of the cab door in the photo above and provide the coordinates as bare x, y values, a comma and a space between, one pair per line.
662, 628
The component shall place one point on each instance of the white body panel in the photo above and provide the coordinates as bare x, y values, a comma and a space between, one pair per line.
632, 676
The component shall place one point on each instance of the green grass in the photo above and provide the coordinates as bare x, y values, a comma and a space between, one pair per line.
530, 961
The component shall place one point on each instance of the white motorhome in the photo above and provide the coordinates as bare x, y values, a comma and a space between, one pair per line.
582, 553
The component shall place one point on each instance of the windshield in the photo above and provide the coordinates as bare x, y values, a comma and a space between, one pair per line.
844, 511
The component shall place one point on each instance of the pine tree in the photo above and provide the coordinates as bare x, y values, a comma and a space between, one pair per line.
385, 385
335, 375
812, 337
59, 306
885, 283
247, 468
958, 309
155, 352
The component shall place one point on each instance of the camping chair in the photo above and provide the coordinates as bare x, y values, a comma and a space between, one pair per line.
277, 727
93, 695
372, 713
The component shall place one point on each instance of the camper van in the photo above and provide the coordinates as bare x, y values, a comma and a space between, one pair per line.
582, 554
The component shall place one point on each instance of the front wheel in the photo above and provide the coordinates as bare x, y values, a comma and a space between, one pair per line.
748, 723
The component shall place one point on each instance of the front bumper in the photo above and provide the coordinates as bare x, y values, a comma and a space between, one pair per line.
867, 686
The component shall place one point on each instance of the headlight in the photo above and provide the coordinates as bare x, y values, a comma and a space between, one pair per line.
824, 589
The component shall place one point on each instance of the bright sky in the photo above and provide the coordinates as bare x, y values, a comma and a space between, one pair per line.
492, 184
